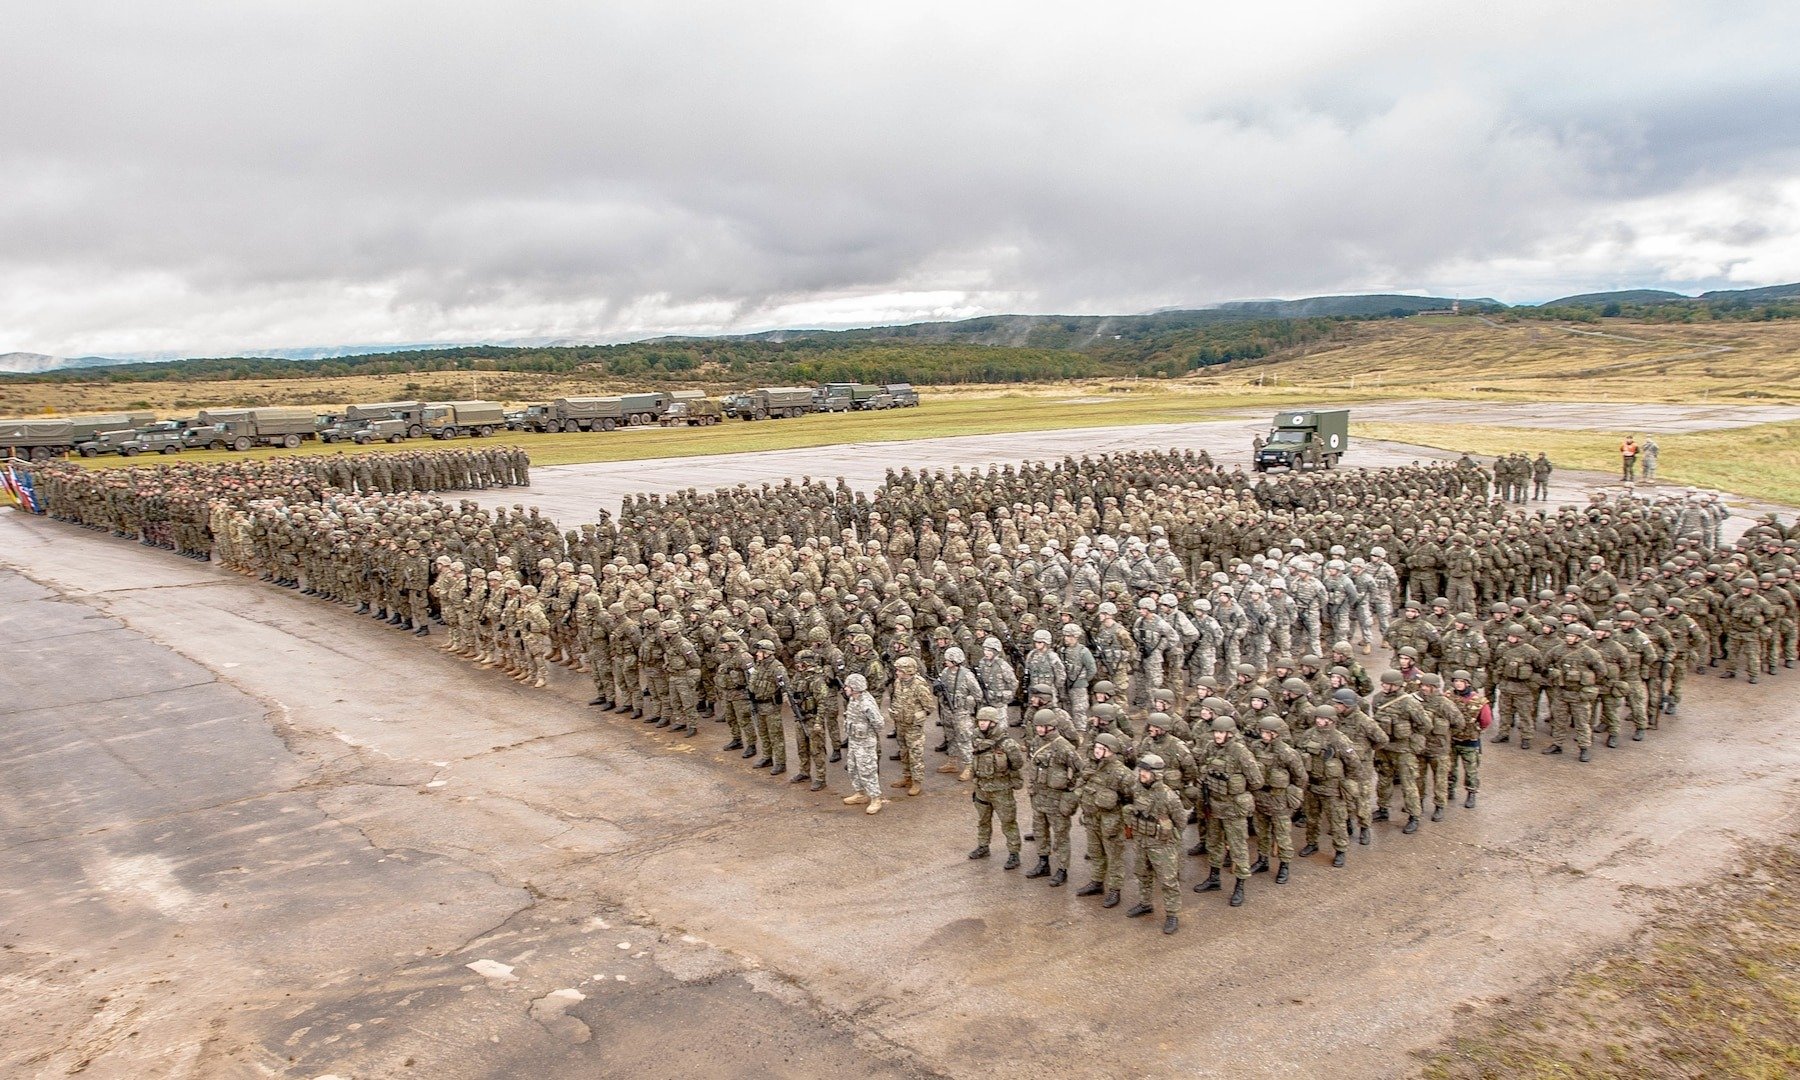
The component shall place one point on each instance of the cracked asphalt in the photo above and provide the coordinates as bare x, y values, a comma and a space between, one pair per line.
244, 833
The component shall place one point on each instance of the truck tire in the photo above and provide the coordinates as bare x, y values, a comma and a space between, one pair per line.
553, 427
242, 442
395, 438
291, 441
608, 424
171, 449
40, 453
484, 431
448, 431
415, 431
86, 451
129, 451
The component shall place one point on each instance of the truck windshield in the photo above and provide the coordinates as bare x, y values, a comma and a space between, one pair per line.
1288, 437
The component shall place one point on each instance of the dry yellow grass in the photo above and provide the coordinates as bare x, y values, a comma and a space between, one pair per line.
1471, 357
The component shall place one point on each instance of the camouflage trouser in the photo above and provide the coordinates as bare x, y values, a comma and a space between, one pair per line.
1281, 639
1233, 654
1228, 832
1608, 710
1465, 763
537, 653
1787, 641
1275, 826
809, 745
600, 665
1384, 613
1310, 629
1157, 865
1461, 594
831, 710
684, 698
1050, 813
1340, 622
1359, 794
769, 731
1078, 706
659, 695
1325, 807
739, 718
1150, 677
1637, 703
912, 747
1365, 621
996, 799
1678, 673
960, 731
1256, 650
1106, 847
1517, 707
864, 760
1434, 775
1398, 767
1744, 652
625, 681
1571, 713
1174, 674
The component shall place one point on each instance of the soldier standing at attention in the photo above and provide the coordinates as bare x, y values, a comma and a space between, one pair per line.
1329, 760
1465, 738
1284, 772
1649, 453
1229, 773
1435, 758
808, 692
768, 680
862, 729
1540, 478
911, 705
1055, 770
1157, 820
1105, 791
681, 662
1402, 719
732, 691
1517, 670
999, 771
957, 687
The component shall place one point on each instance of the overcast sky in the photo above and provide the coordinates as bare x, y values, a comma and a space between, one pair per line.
209, 178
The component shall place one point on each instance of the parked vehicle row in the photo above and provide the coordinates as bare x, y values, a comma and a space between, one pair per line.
134, 433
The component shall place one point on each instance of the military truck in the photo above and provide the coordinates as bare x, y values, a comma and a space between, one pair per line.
903, 395
575, 414
690, 408
107, 442
777, 402
413, 412
737, 405
844, 397
1305, 439
646, 407
44, 437
241, 429
449, 419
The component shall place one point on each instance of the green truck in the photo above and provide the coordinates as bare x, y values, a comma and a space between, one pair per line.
776, 402
45, 437
573, 414
691, 408
1305, 439
449, 419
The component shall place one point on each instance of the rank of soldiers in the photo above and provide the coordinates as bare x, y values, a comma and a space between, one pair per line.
1178, 644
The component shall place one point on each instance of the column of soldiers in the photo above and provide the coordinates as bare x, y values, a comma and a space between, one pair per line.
1140, 613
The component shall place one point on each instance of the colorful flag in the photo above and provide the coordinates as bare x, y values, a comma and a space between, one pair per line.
19, 486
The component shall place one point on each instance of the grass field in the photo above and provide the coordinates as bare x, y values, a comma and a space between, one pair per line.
1714, 990
1762, 461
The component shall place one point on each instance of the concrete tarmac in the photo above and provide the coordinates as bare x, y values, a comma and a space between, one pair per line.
246, 833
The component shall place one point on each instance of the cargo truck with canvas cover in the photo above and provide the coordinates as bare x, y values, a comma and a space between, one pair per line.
449, 419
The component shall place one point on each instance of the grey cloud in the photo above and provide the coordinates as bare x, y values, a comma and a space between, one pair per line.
217, 177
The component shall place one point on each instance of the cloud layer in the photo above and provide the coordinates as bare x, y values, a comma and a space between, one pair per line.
206, 178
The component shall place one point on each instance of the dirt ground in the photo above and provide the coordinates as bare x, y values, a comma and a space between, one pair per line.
244, 833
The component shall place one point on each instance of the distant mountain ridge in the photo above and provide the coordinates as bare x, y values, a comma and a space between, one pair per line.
1077, 332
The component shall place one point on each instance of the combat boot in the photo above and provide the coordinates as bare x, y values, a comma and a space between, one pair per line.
1059, 879
765, 763
623, 706
1198, 849
1638, 735
1112, 899
1171, 924
1237, 894
948, 767
1138, 909
979, 853
1612, 740
912, 787
750, 752
817, 785
836, 755
779, 770
967, 773
1338, 860
1469, 803
1012, 861
1309, 849
855, 799
1412, 824
943, 746
1381, 814
1211, 883
1260, 866
875, 806
1498, 739
735, 744
1553, 749
421, 631
1586, 753
1042, 869
1092, 888
1281, 874
800, 778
